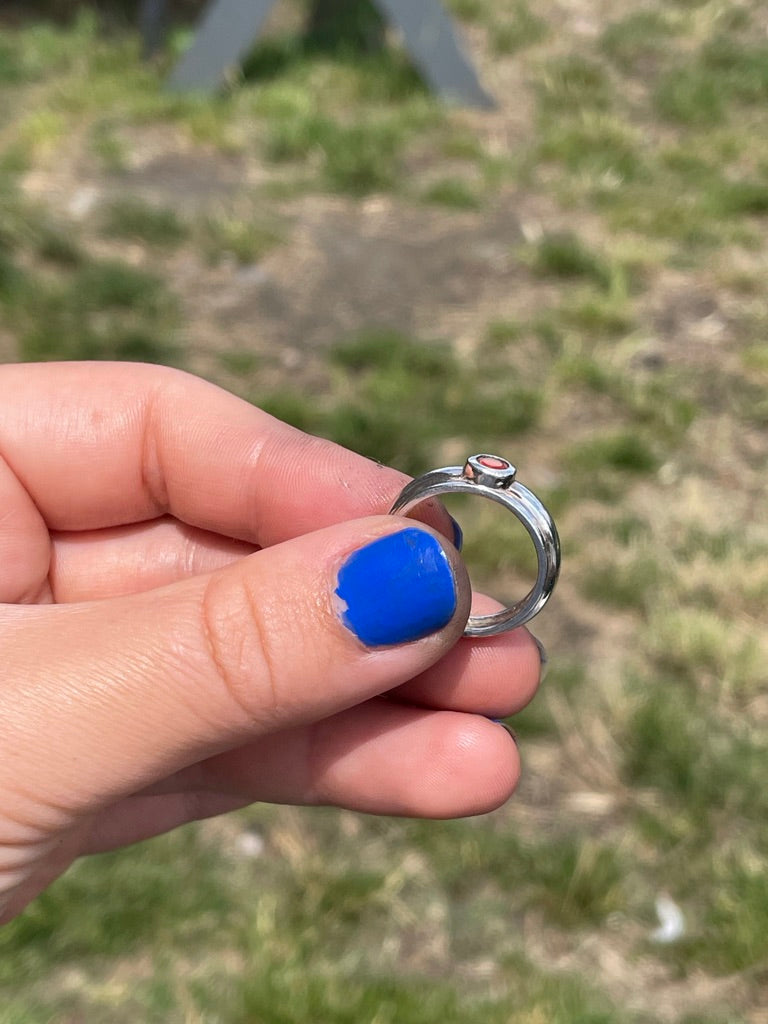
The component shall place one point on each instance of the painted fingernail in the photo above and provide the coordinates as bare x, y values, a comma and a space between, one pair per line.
542, 656
458, 535
397, 589
507, 728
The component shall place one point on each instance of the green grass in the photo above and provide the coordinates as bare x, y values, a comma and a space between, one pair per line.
63, 304
564, 254
574, 83
296, 935
725, 69
596, 145
356, 155
117, 285
676, 747
623, 452
108, 147
687, 96
709, 770
502, 333
239, 363
355, 158
629, 584
636, 42
245, 239
454, 193
572, 881
516, 30
469, 10
565, 677
28, 229
598, 315
135, 220
698, 646
147, 906
393, 396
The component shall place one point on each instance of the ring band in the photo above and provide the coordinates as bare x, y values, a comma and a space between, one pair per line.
493, 477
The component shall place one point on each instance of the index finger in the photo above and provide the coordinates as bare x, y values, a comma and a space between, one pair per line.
104, 444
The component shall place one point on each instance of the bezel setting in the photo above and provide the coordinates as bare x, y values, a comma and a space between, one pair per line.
490, 470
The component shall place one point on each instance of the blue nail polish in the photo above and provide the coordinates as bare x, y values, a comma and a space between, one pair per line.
458, 535
507, 728
397, 589
542, 656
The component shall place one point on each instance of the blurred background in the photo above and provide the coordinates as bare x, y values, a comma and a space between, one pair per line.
577, 279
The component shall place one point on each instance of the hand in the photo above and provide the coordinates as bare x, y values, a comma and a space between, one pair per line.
189, 623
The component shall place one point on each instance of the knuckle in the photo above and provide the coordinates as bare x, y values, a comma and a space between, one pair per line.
239, 647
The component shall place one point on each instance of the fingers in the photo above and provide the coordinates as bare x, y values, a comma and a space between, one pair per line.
496, 676
102, 699
24, 542
143, 817
380, 758
123, 560
99, 445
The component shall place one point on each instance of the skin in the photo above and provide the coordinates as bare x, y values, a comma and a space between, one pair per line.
170, 645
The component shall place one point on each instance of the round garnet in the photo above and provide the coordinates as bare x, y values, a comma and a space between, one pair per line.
492, 462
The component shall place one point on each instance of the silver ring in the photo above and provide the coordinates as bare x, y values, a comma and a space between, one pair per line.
493, 477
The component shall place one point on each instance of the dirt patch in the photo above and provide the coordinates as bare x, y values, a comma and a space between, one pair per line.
350, 266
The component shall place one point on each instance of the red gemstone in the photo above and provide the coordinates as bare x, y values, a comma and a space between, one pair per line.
492, 463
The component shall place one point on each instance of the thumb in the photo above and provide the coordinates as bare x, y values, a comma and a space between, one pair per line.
104, 698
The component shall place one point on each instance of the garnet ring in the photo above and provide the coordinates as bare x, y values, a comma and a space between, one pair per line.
492, 477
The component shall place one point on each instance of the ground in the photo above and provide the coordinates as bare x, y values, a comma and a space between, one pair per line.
575, 279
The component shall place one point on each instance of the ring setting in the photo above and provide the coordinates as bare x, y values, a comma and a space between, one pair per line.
493, 477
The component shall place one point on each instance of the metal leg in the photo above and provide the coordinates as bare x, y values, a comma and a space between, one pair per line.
430, 39
227, 33
152, 23
229, 28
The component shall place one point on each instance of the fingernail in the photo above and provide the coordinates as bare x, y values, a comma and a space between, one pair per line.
458, 535
507, 728
397, 589
542, 656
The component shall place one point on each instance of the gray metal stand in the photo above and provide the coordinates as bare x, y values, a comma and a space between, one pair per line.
226, 34
152, 23
230, 27
430, 38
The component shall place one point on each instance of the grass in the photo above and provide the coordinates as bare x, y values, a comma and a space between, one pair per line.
697, 646
623, 452
355, 158
223, 235
75, 307
574, 83
454, 193
603, 322
725, 69
104, 309
564, 254
518, 31
634, 42
630, 584
392, 397
597, 146
689, 97
135, 220
127, 923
